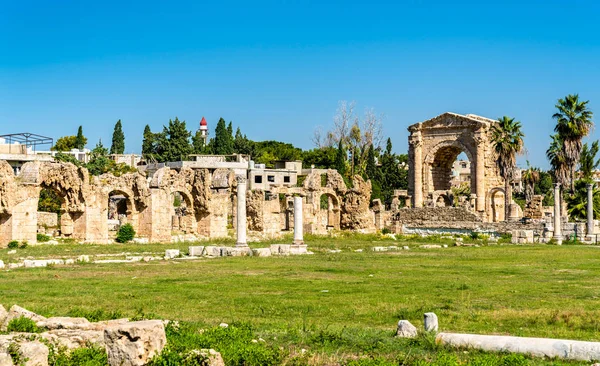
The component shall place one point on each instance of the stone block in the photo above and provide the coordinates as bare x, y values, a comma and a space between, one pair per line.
5, 359
2, 265
74, 338
280, 249
171, 253
35, 352
380, 249
406, 330
430, 322
239, 252
64, 323
16, 312
83, 258
196, 251
262, 252
297, 249
213, 251
135, 343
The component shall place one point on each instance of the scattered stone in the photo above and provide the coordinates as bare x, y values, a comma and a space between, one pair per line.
5, 359
64, 323
239, 252
15, 265
430, 246
2, 265
3, 315
41, 262
214, 357
196, 251
334, 251
298, 249
445, 246
135, 343
358, 250
140, 240
430, 322
74, 338
16, 312
12, 251
70, 261
83, 258
262, 252
171, 253
393, 247
406, 329
35, 352
406, 247
213, 251
224, 325
380, 249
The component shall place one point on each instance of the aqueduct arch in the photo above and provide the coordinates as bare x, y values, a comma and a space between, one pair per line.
434, 146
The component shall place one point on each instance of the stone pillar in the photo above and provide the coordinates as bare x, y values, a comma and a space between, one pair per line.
241, 212
417, 147
480, 175
557, 220
298, 224
590, 210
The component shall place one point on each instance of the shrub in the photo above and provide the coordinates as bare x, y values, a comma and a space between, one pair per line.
24, 244
42, 238
22, 324
13, 244
385, 231
93, 356
126, 233
475, 235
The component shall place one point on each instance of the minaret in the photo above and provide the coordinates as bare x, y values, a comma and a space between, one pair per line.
204, 131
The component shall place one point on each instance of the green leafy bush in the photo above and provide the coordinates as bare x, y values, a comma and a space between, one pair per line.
126, 233
13, 244
93, 356
386, 231
22, 324
24, 244
42, 238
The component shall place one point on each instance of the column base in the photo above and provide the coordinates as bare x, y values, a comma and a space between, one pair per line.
298, 242
298, 249
558, 239
241, 245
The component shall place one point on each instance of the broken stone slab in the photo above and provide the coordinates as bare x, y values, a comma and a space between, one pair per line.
135, 343
140, 240
380, 249
334, 251
430, 246
16, 312
74, 338
214, 251
100, 261
2, 265
239, 252
101, 325
262, 252
41, 262
538, 347
64, 323
280, 249
213, 357
171, 253
406, 329
30, 352
83, 258
393, 247
298, 249
5, 359
196, 251
15, 265
406, 247
430, 322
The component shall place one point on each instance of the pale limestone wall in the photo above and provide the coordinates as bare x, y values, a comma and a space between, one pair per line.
219, 205
435, 144
47, 219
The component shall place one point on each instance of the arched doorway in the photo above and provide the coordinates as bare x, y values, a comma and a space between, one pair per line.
120, 211
329, 211
183, 220
496, 205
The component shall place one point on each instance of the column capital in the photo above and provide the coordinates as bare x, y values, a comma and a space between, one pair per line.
240, 179
556, 185
589, 185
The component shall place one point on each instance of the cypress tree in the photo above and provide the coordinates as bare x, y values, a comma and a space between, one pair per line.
80, 140
371, 169
177, 141
118, 139
223, 141
340, 159
148, 142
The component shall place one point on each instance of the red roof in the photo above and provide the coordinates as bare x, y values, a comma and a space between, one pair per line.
203, 122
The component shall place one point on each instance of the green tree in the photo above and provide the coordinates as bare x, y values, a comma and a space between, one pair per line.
241, 144
322, 158
148, 146
371, 169
174, 142
223, 142
507, 139
545, 187
340, 159
393, 173
198, 146
573, 123
530, 177
118, 139
99, 162
587, 161
49, 201
80, 140
577, 202
65, 143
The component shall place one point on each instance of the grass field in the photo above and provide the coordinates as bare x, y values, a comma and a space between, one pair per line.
341, 307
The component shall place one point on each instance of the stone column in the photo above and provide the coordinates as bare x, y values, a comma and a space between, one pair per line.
480, 175
590, 210
557, 219
298, 224
417, 145
241, 212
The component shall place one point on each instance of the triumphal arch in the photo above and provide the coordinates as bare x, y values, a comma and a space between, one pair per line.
434, 146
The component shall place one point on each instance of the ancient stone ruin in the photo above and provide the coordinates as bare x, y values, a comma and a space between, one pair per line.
182, 204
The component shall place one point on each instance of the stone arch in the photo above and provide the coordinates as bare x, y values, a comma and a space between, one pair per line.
184, 218
119, 208
495, 204
329, 211
438, 163
434, 145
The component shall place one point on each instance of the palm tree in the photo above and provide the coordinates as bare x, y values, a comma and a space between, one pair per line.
573, 123
530, 177
507, 139
587, 161
558, 160
577, 202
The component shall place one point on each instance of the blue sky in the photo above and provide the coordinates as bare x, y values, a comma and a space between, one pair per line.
278, 69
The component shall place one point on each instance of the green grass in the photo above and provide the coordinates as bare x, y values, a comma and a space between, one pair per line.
340, 307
